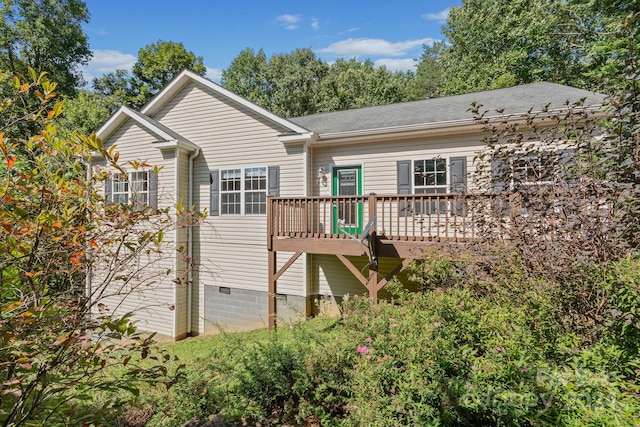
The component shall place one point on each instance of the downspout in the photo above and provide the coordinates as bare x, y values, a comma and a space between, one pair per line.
190, 261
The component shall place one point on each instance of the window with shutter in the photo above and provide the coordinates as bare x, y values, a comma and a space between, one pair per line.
243, 190
138, 188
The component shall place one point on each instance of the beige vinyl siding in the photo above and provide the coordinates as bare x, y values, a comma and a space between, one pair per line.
336, 280
379, 159
152, 304
379, 174
231, 249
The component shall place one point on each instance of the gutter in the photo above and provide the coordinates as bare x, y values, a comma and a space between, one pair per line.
192, 157
459, 126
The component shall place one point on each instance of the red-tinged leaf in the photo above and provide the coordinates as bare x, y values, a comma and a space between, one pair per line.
103, 363
74, 260
10, 161
57, 224
8, 228
13, 382
92, 243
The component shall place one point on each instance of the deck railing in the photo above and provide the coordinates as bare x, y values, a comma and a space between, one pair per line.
410, 217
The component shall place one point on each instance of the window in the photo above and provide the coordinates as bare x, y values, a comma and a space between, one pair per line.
243, 188
136, 188
255, 186
231, 191
140, 188
533, 168
120, 193
430, 176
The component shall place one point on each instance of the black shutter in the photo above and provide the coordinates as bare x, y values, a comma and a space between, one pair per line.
458, 180
405, 175
567, 162
498, 186
153, 189
214, 180
273, 181
108, 191
458, 174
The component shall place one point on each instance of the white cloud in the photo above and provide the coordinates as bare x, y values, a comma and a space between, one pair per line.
394, 64
350, 30
214, 74
107, 61
373, 47
290, 22
315, 24
440, 16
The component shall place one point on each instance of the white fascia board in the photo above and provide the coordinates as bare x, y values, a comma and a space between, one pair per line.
186, 75
113, 120
393, 130
302, 137
117, 118
462, 125
175, 143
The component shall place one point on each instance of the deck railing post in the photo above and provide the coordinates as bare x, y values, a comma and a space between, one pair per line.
372, 282
270, 219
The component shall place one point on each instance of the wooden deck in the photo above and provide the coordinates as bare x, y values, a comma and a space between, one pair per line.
404, 226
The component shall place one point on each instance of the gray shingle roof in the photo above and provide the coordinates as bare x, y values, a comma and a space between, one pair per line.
513, 100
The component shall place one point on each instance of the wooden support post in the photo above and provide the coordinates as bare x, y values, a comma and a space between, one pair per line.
372, 242
372, 282
273, 266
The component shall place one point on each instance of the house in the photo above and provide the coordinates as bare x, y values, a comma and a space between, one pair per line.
286, 196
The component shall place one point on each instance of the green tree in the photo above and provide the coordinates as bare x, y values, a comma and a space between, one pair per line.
430, 72
85, 113
157, 64
299, 83
286, 84
613, 49
46, 36
293, 81
246, 76
501, 43
354, 84
58, 341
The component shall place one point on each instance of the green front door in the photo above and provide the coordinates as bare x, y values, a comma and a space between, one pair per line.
347, 215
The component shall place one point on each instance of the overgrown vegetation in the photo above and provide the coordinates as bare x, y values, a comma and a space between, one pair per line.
471, 350
59, 333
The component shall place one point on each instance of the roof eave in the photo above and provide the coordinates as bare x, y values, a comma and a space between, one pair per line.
460, 126
175, 144
298, 137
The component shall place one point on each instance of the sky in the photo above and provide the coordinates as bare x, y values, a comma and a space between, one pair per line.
389, 33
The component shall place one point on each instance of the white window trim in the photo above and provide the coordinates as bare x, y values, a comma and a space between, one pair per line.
243, 189
513, 184
447, 186
127, 179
